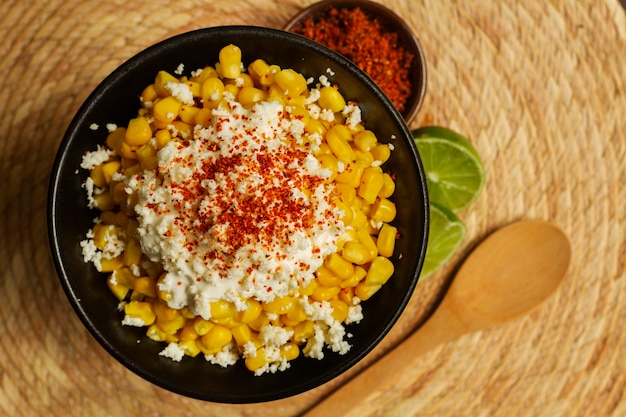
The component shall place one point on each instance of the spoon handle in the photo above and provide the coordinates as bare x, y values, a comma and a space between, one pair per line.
356, 396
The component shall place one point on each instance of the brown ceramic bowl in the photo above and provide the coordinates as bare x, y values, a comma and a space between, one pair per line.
389, 20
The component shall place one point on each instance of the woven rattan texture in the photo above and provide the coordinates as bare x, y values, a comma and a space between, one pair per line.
539, 87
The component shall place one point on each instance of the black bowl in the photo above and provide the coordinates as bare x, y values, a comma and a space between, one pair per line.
115, 100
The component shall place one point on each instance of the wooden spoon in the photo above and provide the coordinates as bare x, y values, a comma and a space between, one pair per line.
508, 274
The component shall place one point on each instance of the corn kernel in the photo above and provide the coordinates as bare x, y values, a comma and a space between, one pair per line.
145, 286
289, 351
291, 82
353, 281
331, 99
347, 295
188, 332
303, 331
325, 293
162, 78
365, 292
212, 90
97, 176
371, 184
379, 272
110, 168
388, 188
242, 334
222, 309
202, 326
115, 139
251, 313
349, 173
340, 310
257, 69
261, 321
337, 138
140, 310
119, 291
166, 110
230, 61
383, 210
329, 162
381, 152
110, 265
216, 338
365, 140
164, 312
104, 201
356, 253
149, 94
156, 334
163, 136
171, 326
188, 114
280, 305
251, 95
190, 347
256, 362
386, 240
326, 277
339, 266
138, 131
294, 316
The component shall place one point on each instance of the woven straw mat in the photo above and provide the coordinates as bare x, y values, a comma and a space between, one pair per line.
539, 88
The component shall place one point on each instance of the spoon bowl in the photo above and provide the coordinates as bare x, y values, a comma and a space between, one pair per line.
510, 273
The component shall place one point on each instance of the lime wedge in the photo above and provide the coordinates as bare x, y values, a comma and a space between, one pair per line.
454, 171
446, 234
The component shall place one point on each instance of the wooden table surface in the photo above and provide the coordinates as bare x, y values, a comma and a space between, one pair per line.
538, 86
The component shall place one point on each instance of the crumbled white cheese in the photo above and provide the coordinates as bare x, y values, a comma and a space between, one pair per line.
173, 351
353, 115
324, 81
94, 126
186, 213
92, 159
133, 321
181, 92
111, 127
355, 314
226, 357
180, 69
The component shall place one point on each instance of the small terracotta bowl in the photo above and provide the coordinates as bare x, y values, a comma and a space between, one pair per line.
390, 20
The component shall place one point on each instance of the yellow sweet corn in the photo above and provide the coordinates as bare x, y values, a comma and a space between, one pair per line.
216, 338
138, 132
291, 82
331, 99
386, 240
140, 310
339, 266
371, 184
166, 109
379, 272
230, 61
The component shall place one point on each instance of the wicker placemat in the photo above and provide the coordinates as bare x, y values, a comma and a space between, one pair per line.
539, 87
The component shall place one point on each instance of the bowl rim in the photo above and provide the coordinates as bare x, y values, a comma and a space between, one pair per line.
70, 135
403, 29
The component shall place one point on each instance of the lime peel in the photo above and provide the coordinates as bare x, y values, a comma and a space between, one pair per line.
454, 171
455, 177
446, 234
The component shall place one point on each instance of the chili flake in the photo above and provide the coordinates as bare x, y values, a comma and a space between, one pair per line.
369, 44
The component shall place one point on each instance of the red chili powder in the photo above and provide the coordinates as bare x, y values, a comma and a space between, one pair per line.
366, 42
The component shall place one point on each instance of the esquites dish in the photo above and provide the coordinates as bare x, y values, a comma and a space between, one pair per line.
244, 214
